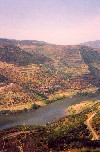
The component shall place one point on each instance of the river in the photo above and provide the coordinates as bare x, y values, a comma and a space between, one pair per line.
41, 116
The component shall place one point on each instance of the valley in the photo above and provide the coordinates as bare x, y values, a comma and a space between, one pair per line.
39, 73
51, 91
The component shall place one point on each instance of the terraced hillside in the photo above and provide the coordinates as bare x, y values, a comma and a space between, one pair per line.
35, 72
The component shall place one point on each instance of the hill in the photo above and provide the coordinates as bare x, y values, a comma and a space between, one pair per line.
35, 72
93, 44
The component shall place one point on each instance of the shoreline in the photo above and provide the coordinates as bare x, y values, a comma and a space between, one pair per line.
47, 102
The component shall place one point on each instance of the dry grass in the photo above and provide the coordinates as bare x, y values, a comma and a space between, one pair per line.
82, 106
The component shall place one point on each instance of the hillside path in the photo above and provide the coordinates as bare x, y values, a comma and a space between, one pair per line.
16, 133
90, 127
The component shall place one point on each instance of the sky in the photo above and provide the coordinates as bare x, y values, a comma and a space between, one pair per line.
54, 21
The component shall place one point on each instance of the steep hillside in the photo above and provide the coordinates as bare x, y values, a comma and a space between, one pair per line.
15, 55
92, 59
39, 73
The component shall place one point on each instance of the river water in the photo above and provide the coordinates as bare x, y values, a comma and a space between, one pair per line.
41, 116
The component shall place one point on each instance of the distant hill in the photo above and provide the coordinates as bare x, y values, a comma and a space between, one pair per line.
93, 44
21, 42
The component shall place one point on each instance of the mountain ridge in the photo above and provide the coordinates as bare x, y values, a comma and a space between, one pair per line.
94, 44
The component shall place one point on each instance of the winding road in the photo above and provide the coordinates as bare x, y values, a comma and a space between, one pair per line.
90, 127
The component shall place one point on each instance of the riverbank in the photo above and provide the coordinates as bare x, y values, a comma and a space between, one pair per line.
33, 106
67, 133
45, 114
54, 98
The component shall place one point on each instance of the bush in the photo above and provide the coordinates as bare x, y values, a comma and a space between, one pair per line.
34, 106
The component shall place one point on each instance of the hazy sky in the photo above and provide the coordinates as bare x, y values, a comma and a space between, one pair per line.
54, 21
